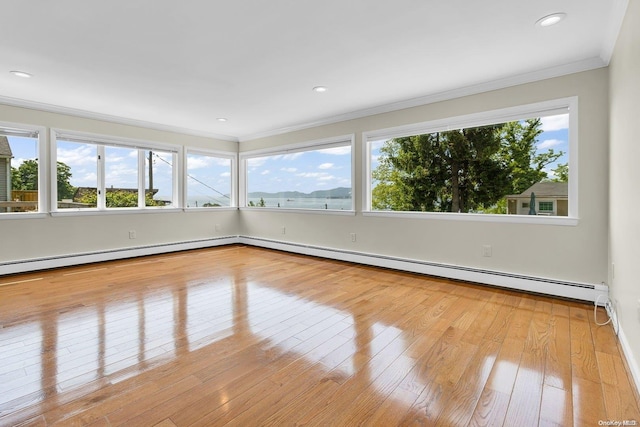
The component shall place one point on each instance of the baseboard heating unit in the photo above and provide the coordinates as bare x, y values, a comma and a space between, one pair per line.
539, 285
35, 264
558, 288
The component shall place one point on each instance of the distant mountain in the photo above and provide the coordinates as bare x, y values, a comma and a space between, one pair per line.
335, 193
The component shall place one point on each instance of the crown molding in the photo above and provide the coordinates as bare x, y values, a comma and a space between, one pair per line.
618, 11
50, 108
562, 70
547, 73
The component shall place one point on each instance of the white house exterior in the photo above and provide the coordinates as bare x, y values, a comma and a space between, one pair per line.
5, 169
551, 198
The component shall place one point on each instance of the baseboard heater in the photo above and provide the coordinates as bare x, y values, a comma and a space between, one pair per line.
27, 265
565, 289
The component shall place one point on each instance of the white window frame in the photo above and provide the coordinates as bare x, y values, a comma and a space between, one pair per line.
101, 142
43, 166
319, 144
546, 108
233, 204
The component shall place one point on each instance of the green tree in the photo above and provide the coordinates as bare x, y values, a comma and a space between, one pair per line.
25, 177
65, 189
464, 170
526, 166
119, 199
561, 172
452, 171
261, 203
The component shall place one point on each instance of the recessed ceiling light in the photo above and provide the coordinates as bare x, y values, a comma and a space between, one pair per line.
320, 89
549, 20
221, 119
22, 74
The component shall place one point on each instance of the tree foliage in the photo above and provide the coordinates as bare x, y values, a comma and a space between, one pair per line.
119, 199
25, 177
561, 173
463, 170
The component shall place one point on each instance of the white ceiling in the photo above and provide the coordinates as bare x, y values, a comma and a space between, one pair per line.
181, 64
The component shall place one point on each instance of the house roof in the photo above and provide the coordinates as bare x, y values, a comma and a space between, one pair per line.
546, 189
5, 148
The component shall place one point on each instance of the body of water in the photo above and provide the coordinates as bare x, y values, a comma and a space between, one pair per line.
305, 203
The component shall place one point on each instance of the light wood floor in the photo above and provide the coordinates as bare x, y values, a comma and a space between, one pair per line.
245, 336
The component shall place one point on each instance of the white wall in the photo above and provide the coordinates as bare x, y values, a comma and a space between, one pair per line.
574, 253
31, 238
625, 178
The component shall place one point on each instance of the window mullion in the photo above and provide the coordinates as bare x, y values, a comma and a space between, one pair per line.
141, 178
101, 202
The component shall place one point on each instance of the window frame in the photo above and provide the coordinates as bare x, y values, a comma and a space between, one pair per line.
101, 142
313, 145
521, 112
43, 166
234, 178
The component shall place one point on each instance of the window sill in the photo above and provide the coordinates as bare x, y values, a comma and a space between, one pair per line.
302, 210
115, 211
500, 219
211, 209
16, 215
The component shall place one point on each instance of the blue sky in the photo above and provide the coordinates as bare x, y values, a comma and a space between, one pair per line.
300, 171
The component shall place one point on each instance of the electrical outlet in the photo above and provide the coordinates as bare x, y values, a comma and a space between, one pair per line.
132, 234
487, 251
284, 230
353, 237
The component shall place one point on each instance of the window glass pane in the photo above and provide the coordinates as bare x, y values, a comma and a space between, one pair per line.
313, 179
208, 181
77, 174
158, 178
18, 173
121, 177
491, 169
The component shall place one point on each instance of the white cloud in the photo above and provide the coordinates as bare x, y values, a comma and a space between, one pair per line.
325, 166
289, 169
256, 161
198, 162
82, 155
291, 156
311, 174
225, 174
338, 151
551, 123
265, 172
549, 143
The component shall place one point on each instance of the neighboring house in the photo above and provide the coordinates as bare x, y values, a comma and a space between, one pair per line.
552, 198
5, 169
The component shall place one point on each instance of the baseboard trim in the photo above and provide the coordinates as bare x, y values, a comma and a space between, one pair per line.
631, 360
36, 264
539, 285
552, 287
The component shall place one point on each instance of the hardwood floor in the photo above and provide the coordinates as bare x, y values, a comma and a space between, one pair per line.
244, 336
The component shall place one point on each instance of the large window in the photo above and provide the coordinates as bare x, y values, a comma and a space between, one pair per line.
491, 163
210, 179
315, 175
21, 175
103, 174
